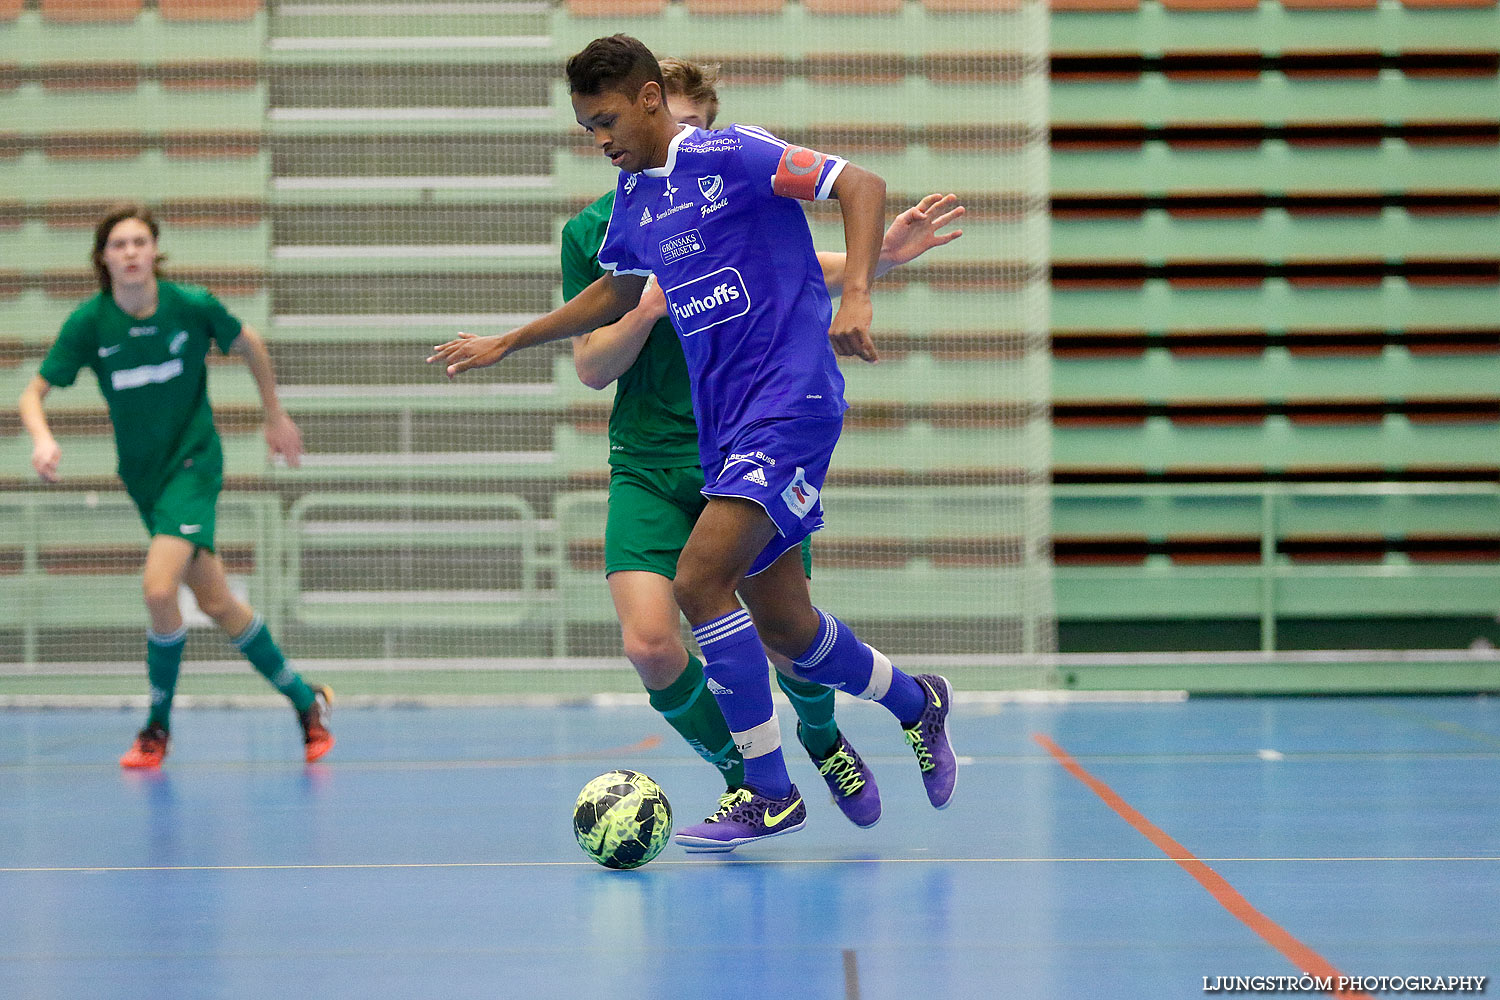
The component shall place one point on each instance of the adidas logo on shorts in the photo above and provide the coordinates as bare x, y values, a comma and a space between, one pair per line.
756, 476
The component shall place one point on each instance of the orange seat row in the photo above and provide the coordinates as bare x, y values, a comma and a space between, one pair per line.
77, 11
95, 11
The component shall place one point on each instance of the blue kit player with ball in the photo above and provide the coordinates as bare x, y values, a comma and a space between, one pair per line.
714, 216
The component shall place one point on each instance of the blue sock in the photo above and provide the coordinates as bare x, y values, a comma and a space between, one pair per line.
735, 664
838, 659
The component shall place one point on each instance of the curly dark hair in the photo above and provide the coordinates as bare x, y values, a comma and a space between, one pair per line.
619, 62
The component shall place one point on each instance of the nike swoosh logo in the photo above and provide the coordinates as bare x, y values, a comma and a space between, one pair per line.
774, 819
937, 699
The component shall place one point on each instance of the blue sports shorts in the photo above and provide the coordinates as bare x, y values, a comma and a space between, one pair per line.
779, 465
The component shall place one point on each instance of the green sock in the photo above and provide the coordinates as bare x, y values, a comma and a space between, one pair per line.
265, 656
692, 711
163, 662
813, 704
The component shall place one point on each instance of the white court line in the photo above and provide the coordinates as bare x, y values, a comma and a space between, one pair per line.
1305, 656
408, 42
441, 114
738, 860
489, 182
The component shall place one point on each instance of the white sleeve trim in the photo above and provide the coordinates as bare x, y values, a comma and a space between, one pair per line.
826, 188
616, 269
756, 132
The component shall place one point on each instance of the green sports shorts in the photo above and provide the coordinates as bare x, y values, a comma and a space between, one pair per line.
184, 507
651, 514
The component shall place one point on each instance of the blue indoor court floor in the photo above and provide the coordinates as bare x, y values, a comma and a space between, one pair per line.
1093, 849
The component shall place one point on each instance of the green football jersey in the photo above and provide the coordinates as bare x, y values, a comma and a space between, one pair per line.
154, 377
651, 425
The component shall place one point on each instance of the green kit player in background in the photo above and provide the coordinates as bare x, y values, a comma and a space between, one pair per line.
147, 341
655, 479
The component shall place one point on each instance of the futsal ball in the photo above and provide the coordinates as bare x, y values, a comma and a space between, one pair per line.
622, 819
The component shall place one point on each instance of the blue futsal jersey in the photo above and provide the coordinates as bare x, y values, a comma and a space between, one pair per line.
720, 228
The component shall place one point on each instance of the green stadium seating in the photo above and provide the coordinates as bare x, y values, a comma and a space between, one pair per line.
331, 539
1272, 28
1273, 249
73, 559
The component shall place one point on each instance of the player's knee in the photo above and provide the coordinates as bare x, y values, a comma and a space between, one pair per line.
160, 595
685, 593
699, 591
654, 654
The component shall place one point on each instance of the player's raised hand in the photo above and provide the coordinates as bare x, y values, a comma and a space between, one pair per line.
850, 332
917, 230
284, 438
45, 457
468, 351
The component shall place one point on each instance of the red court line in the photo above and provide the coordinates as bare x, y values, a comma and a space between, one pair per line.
1227, 896
649, 743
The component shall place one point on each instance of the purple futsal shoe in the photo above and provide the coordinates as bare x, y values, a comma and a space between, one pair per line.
928, 737
744, 817
850, 781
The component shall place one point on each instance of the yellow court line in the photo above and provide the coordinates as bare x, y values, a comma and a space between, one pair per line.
1438, 725
436, 865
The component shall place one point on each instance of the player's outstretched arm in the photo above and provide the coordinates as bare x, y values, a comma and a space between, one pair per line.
861, 196
607, 353
915, 231
45, 453
282, 435
605, 300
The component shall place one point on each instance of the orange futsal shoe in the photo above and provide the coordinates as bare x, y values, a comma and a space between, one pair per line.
316, 739
149, 748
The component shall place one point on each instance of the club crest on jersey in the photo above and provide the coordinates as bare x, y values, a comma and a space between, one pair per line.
712, 186
707, 301
179, 339
800, 496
